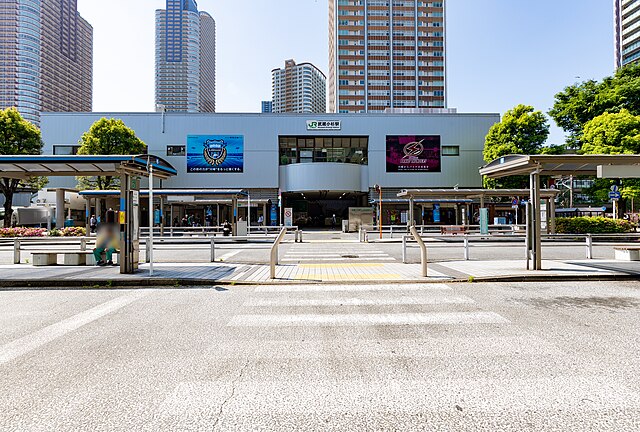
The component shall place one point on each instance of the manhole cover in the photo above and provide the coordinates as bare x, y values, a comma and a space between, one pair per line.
350, 256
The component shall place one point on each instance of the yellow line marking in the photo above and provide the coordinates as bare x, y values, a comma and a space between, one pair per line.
340, 265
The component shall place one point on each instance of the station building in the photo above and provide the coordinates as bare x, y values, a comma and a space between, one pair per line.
318, 165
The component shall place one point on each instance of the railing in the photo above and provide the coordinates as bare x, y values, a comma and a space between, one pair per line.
370, 231
211, 231
466, 239
23, 244
273, 261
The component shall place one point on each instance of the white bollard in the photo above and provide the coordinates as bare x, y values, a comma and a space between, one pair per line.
213, 249
466, 248
16, 251
404, 249
589, 246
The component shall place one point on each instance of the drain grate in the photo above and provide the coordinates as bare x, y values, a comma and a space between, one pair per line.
350, 256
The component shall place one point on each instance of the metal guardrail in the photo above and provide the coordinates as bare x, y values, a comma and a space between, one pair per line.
273, 260
367, 230
211, 231
588, 240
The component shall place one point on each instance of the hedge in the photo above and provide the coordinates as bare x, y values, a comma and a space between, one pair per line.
42, 232
593, 225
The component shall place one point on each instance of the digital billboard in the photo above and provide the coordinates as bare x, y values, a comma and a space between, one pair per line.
413, 153
215, 153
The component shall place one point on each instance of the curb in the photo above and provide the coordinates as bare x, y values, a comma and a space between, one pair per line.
74, 284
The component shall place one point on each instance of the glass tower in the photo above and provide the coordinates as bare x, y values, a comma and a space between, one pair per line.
185, 58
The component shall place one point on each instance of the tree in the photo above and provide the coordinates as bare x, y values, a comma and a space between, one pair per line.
17, 137
617, 133
108, 137
521, 131
580, 103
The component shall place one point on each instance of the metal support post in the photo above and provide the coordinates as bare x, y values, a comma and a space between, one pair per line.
151, 225
466, 247
147, 250
213, 248
423, 250
589, 246
16, 251
404, 249
274, 253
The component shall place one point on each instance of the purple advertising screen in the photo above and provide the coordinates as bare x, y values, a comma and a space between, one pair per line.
413, 153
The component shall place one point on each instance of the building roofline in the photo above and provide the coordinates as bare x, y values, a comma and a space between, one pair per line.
256, 114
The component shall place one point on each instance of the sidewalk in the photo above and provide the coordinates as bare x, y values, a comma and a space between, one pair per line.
167, 274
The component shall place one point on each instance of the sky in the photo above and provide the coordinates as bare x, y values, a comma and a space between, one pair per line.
499, 52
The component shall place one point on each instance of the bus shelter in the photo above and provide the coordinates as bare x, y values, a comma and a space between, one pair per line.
466, 197
232, 199
128, 168
534, 166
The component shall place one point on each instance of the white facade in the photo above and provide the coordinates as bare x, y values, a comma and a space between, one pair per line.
262, 158
298, 88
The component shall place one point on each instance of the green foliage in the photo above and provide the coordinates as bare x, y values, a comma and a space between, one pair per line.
108, 137
553, 150
17, 137
580, 103
617, 133
521, 131
593, 225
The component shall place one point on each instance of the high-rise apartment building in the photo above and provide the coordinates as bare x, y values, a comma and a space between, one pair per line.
185, 58
46, 57
67, 58
267, 107
300, 88
627, 32
386, 55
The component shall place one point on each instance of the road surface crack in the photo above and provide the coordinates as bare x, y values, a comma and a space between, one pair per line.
231, 395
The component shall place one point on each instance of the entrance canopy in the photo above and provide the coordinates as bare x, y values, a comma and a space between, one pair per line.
560, 165
469, 194
185, 195
23, 167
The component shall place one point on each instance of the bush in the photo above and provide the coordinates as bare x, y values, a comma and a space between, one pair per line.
22, 232
70, 232
593, 225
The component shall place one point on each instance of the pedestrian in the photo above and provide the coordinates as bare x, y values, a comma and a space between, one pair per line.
107, 243
260, 220
333, 221
93, 224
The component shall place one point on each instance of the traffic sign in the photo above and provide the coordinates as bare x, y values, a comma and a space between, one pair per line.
614, 195
614, 188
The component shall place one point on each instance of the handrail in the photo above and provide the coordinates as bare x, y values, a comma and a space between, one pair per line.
423, 250
273, 261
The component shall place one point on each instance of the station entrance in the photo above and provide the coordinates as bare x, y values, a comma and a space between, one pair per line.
322, 209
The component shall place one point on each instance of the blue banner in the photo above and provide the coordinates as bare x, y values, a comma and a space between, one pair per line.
215, 153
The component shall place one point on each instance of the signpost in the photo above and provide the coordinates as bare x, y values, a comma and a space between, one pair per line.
614, 196
288, 217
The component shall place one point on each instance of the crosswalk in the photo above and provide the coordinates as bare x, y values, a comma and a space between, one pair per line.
335, 252
383, 350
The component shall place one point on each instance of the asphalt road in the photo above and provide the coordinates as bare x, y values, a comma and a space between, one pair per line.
521, 357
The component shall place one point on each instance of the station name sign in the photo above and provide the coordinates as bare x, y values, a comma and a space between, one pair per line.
313, 125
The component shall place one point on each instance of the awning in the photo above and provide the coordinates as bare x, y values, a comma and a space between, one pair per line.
23, 167
470, 193
217, 193
556, 164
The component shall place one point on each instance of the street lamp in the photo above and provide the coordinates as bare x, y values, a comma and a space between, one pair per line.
378, 189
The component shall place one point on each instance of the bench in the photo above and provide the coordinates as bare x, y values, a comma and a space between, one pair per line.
453, 229
71, 258
627, 253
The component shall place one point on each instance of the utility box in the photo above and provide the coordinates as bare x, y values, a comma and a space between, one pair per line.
241, 228
359, 216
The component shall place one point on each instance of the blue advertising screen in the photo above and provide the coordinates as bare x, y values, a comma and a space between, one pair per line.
215, 153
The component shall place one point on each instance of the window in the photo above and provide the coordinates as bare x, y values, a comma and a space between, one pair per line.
176, 150
450, 150
65, 150
323, 149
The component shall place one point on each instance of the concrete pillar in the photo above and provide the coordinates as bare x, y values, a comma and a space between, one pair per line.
264, 213
457, 214
234, 216
162, 214
218, 221
99, 209
60, 215
410, 215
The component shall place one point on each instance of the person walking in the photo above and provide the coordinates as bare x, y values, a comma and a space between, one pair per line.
260, 220
93, 224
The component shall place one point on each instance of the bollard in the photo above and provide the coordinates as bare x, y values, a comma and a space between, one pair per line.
213, 248
589, 246
16, 251
423, 250
404, 249
466, 247
147, 255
